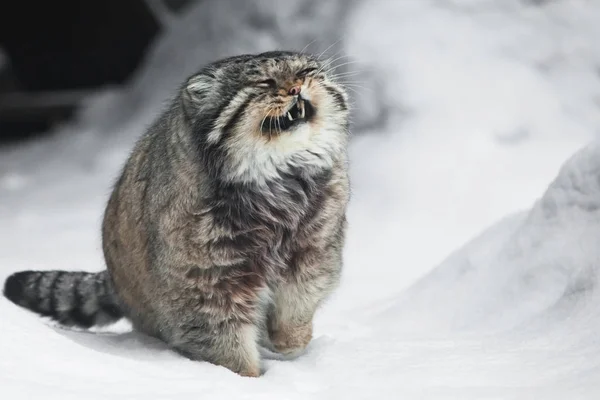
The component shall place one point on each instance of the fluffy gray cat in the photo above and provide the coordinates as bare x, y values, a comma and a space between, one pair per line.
225, 230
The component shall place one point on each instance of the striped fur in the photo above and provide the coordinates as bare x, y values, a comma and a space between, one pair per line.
222, 234
79, 299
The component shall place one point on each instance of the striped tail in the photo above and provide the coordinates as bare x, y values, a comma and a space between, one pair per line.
74, 299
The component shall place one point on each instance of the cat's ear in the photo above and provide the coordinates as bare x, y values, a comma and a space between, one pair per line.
195, 93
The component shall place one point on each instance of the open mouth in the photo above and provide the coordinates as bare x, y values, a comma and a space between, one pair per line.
302, 111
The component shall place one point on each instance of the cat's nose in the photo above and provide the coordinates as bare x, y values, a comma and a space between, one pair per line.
294, 90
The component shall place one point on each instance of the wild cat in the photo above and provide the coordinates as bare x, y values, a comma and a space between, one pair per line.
226, 227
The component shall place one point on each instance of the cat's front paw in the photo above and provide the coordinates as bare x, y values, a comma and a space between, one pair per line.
249, 372
289, 340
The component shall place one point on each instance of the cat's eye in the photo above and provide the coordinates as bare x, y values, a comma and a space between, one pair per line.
267, 83
305, 72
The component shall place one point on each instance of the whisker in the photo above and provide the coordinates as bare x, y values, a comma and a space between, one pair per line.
270, 128
263, 120
341, 82
307, 46
341, 65
331, 60
278, 127
353, 90
328, 63
350, 82
348, 73
358, 87
330, 46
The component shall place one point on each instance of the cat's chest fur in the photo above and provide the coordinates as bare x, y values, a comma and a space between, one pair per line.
266, 223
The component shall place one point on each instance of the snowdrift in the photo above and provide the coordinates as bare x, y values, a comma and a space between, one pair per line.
535, 272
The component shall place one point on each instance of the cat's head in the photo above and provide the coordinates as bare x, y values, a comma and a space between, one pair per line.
263, 114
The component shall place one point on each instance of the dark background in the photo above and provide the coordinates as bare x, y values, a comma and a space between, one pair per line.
57, 52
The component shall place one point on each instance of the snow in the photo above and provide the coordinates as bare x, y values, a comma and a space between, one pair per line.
472, 263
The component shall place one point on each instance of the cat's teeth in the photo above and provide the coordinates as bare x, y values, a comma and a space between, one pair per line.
290, 116
302, 112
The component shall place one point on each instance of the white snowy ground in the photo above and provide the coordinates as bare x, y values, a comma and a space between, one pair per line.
490, 103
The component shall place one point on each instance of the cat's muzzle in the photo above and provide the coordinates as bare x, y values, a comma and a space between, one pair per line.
300, 112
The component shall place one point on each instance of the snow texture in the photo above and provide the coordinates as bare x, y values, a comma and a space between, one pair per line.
472, 266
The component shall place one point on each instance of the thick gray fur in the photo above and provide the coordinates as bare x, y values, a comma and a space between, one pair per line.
222, 233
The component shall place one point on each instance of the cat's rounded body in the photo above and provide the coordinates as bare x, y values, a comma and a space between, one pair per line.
223, 233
